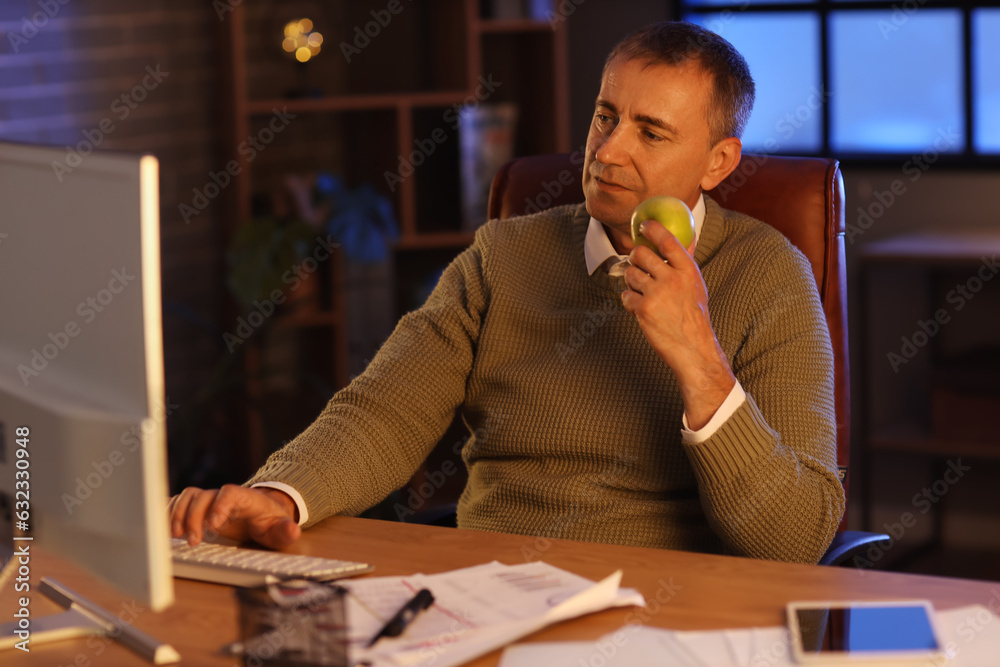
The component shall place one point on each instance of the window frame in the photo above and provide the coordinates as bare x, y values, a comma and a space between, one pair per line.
967, 158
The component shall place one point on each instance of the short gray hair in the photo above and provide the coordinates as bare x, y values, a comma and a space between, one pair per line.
679, 42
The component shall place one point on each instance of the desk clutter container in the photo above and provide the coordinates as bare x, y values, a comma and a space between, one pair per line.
293, 624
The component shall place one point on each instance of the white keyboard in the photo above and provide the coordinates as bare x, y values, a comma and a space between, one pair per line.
238, 566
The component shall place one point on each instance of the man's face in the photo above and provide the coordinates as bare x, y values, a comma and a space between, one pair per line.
649, 136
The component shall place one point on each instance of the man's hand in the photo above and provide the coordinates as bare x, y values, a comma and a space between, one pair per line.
266, 516
670, 301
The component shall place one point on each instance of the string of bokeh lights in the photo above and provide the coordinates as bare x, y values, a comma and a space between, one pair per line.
301, 40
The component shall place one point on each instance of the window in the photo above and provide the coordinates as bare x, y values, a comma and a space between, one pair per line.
867, 79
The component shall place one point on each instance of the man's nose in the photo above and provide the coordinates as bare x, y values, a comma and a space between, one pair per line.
614, 149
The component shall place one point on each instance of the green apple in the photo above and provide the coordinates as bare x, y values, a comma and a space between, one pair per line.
670, 212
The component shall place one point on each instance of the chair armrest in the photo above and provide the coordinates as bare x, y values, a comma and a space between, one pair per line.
849, 543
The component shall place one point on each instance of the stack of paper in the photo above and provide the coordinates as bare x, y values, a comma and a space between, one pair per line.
641, 646
475, 610
970, 634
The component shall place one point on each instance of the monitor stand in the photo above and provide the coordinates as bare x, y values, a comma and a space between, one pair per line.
82, 618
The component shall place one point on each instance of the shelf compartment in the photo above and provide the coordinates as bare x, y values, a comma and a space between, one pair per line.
435, 145
358, 102
360, 52
319, 318
512, 60
356, 146
436, 240
912, 439
495, 26
417, 272
935, 248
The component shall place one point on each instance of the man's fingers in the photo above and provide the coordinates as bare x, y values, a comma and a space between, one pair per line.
275, 534
645, 260
690, 248
179, 505
174, 513
228, 506
630, 300
668, 245
637, 279
195, 515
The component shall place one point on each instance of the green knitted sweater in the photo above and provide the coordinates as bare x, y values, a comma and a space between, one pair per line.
576, 421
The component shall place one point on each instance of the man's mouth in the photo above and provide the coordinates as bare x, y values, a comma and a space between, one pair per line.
606, 184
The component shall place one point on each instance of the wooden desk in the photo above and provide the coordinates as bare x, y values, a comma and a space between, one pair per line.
683, 590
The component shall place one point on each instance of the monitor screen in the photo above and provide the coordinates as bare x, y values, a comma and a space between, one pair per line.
82, 402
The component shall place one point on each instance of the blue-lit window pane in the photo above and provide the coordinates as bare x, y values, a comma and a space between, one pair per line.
739, 4
896, 83
986, 79
782, 50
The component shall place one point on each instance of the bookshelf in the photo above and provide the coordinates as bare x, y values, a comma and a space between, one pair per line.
931, 356
381, 96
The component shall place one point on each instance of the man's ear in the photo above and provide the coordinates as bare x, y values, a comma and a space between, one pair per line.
724, 159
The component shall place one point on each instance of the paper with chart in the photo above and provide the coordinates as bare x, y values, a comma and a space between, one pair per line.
475, 610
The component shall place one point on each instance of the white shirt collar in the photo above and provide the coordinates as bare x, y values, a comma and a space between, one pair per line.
597, 248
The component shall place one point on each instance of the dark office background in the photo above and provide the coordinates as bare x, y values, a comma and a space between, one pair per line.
60, 76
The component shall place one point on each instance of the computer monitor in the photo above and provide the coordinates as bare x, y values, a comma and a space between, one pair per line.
81, 347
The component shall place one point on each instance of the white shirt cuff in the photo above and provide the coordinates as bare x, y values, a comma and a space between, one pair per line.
729, 406
295, 496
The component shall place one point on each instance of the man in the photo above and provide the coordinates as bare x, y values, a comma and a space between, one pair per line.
697, 412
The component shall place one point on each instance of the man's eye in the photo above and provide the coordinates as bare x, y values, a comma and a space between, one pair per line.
652, 137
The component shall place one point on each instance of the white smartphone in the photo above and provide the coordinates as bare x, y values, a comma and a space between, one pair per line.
854, 632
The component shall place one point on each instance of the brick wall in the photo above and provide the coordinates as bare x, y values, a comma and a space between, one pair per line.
65, 66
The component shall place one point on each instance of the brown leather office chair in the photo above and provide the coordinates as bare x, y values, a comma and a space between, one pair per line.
801, 197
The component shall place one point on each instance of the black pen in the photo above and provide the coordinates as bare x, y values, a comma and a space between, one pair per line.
422, 600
